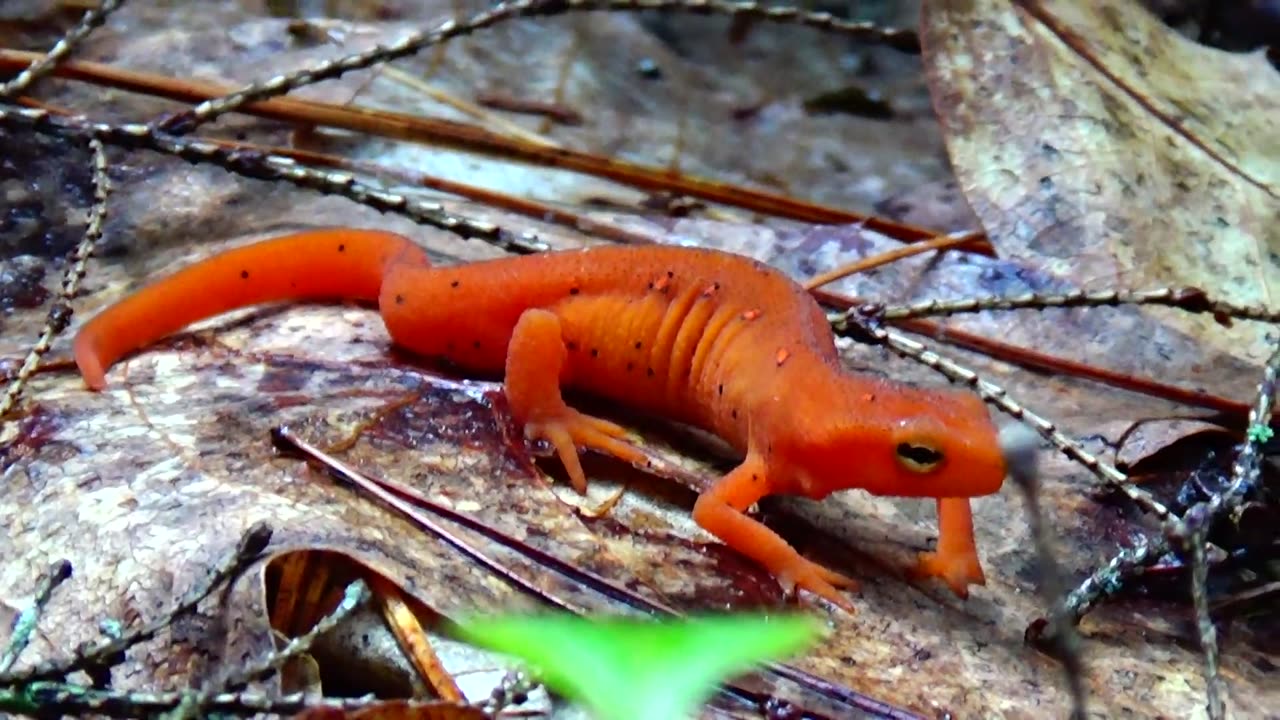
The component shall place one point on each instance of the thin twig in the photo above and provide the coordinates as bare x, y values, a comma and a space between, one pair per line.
1192, 545
285, 439
92, 20
1188, 299
60, 313
1108, 579
102, 652
412, 637
487, 119
267, 167
1022, 457
939, 243
25, 624
1237, 602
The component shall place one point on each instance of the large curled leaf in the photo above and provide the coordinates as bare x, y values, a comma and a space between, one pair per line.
1099, 144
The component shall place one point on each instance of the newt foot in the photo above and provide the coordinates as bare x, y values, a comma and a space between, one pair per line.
807, 575
957, 571
569, 429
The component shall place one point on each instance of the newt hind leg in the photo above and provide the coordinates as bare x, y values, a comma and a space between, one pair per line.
535, 363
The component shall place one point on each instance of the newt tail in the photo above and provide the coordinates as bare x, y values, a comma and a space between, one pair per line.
341, 264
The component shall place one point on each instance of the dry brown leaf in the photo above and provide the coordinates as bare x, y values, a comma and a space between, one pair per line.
1099, 145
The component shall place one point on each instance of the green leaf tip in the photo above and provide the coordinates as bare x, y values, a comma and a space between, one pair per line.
636, 669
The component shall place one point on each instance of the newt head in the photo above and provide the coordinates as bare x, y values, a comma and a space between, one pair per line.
891, 439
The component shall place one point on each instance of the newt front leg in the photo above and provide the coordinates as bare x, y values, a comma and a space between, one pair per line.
535, 365
956, 559
720, 512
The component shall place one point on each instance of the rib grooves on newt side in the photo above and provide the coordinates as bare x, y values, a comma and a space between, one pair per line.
700, 336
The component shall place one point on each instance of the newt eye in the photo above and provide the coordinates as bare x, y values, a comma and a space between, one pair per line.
918, 458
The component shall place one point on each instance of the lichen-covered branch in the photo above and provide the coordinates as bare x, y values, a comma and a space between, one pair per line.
60, 312
92, 20
1108, 579
1191, 300
25, 624
52, 699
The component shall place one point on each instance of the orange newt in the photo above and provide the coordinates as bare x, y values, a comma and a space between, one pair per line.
704, 337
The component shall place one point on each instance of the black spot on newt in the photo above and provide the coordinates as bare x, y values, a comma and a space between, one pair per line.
631, 366
638, 344
244, 274
399, 299
476, 344
720, 389
571, 344
649, 372
574, 291
342, 248
455, 283
735, 413
595, 352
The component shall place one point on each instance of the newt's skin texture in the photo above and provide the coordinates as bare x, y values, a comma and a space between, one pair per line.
700, 336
